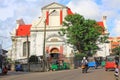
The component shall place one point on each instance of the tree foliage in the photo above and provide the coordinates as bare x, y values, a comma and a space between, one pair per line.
116, 50
79, 56
81, 33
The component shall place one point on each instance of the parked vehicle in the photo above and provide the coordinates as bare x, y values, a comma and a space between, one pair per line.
110, 63
58, 66
57, 62
103, 63
92, 63
18, 67
54, 67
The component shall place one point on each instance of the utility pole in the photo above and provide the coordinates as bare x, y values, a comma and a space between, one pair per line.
44, 42
44, 56
28, 53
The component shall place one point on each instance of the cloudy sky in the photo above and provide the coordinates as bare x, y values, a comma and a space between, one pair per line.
29, 10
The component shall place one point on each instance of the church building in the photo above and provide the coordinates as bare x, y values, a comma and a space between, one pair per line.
43, 34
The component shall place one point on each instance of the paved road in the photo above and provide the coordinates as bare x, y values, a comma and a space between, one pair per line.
97, 74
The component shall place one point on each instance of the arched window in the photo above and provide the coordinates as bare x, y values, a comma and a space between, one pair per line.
26, 47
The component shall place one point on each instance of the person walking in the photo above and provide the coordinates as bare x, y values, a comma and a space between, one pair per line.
116, 73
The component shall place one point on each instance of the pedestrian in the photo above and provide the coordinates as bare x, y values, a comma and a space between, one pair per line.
84, 65
116, 73
97, 62
4, 71
116, 60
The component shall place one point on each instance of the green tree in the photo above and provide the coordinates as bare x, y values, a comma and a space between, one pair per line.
116, 50
81, 33
79, 56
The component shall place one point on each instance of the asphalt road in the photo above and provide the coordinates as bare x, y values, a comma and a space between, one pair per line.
76, 74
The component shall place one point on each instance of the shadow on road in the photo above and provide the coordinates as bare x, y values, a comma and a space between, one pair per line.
14, 73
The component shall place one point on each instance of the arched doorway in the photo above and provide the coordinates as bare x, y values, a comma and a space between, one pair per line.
54, 50
54, 54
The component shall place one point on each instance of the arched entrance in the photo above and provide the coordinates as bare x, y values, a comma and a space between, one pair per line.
54, 50
56, 56
54, 53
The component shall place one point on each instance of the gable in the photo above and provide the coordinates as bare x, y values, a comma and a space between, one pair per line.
23, 30
69, 12
53, 5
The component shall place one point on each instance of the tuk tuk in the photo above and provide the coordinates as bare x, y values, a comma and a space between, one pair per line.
92, 63
57, 62
110, 63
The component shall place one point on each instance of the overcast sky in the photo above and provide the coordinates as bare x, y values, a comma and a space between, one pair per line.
29, 10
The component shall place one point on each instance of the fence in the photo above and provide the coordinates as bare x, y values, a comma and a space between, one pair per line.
34, 67
38, 67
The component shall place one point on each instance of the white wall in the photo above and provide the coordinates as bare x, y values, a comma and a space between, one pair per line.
104, 50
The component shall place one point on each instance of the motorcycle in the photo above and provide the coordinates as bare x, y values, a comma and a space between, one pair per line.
84, 68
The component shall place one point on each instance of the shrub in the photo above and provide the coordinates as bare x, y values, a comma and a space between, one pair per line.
33, 59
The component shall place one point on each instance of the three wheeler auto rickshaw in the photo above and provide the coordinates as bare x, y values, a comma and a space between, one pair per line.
57, 62
110, 63
92, 63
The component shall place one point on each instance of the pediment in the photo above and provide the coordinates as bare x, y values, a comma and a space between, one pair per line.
53, 5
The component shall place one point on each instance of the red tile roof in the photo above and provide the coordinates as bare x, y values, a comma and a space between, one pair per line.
115, 43
118, 37
101, 24
69, 11
23, 30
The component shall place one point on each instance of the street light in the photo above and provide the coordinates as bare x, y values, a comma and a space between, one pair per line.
44, 55
28, 54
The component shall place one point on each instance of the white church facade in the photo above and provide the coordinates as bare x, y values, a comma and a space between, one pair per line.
35, 33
